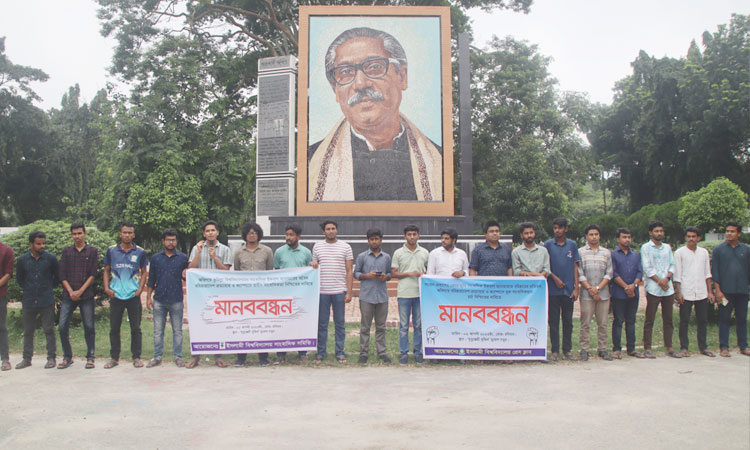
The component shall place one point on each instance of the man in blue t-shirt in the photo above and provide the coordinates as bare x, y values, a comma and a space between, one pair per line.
563, 287
124, 279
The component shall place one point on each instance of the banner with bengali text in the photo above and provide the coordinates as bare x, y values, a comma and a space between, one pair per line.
487, 318
252, 312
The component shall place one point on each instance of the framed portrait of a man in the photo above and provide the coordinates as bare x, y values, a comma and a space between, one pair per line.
375, 133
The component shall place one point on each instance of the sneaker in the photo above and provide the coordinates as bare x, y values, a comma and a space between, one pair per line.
362, 360
419, 359
386, 359
584, 355
604, 355
403, 359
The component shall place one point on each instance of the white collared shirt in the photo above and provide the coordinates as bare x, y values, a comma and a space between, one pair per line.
691, 270
444, 263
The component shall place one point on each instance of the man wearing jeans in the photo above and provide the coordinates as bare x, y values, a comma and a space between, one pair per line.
408, 264
37, 273
563, 287
731, 275
78, 269
657, 261
626, 276
165, 296
124, 279
334, 260
6, 272
692, 286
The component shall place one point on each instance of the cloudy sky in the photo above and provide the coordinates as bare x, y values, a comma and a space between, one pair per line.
591, 42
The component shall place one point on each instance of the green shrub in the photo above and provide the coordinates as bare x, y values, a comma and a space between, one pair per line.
58, 237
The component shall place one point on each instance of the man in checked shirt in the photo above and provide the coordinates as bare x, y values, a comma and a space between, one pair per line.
594, 274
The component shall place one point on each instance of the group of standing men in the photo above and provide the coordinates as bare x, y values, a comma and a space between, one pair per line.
684, 277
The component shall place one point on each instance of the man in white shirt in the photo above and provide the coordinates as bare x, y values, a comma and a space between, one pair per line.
692, 286
448, 260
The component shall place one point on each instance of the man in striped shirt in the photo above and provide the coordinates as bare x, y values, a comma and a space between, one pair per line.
594, 274
334, 259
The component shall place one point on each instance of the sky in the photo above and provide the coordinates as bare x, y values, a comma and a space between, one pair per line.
591, 43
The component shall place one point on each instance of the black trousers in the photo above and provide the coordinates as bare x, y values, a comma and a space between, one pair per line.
701, 316
47, 314
560, 305
117, 308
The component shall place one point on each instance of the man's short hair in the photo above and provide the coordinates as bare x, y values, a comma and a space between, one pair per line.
391, 44
251, 226
592, 226
409, 228
294, 227
374, 232
76, 225
560, 222
327, 222
526, 225
126, 223
169, 232
36, 235
488, 224
622, 230
210, 222
654, 224
692, 230
453, 234
733, 223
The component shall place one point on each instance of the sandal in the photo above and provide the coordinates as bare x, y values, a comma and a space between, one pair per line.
745, 351
65, 364
50, 364
674, 354
554, 357
708, 353
725, 353
617, 355
153, 363
649, 354
5, 366
194, 362
90, 364
137, 363
221, 363
179, 363
685, 354
111, 363
341, 359
638, 355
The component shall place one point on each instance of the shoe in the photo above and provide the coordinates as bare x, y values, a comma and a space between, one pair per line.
51, 364
341, 359
584, 355
419, 359
153, 363
554, 357
403, 360
319, 359
570, 356
723, 353
386, 359
362, 360
65, 364
303, 357
23, 364
605, 356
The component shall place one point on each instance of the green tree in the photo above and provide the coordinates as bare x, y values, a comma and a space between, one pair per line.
712, 206
528, 160
676, 124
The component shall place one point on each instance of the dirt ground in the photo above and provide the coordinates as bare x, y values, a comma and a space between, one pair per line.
697, 402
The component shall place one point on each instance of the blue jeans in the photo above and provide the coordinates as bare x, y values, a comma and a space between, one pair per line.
738, 302
89, 332
409, 306
624, 310
160, 318
324, 313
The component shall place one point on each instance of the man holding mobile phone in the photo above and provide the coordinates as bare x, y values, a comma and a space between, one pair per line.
373, 270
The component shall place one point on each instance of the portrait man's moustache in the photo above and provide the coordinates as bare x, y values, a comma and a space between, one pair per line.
364, 94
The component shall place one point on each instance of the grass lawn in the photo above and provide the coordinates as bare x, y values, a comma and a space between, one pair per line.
15, 334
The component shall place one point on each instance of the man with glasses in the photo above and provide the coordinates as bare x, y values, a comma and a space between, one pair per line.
367, 70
